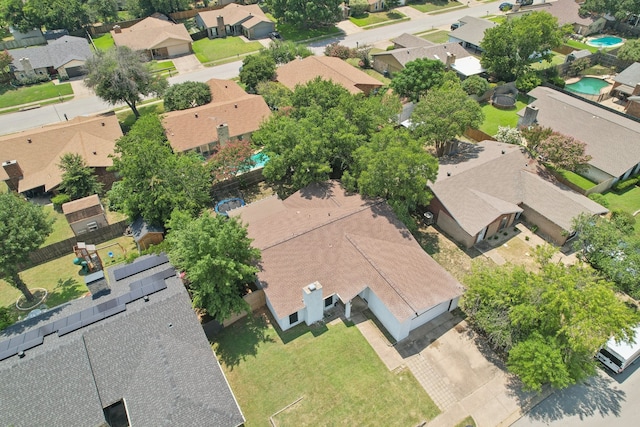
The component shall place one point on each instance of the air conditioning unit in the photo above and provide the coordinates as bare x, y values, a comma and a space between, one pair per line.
428, 218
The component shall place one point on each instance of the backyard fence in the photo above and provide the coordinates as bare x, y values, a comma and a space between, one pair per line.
18, 44
199, 35
477, 135
186, 14
65, 247
234, 185
105, 28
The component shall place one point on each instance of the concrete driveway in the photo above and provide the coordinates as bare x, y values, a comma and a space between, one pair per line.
187, 64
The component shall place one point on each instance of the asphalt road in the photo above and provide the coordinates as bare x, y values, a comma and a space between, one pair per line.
14, 122
605, 400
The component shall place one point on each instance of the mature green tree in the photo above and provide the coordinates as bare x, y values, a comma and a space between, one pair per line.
217, 257
256, 69
630, 51
324, 94
103, 10
59, 14
142, 8
275, 94
390, 4
417, 77
305, 13
509, 48
445, 113
563, 151
358, 7
534, 135
395, 166
621, 9
185, 95
550, 322
24, 227
5, 60
16, 14
78, 180
231, 159
286, 51
121, 75
475, 85
156, 181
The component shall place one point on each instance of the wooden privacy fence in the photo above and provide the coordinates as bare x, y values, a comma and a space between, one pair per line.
186, 14
477, 135
233, 185
65, 247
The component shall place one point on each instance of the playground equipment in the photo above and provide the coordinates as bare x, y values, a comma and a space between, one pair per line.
87, 257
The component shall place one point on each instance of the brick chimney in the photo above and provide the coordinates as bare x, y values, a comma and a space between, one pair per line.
28, 68
14, 172
222, 32
530, 116
117, 29
223, 134
451, 59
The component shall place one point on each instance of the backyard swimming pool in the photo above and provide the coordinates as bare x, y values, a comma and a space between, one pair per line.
607, 41
587, 85
260, 159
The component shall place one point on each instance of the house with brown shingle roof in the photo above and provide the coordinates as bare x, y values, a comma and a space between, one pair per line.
486, 187
235, 20
302, 71
231, 115
31, 157
323, 246
611, 138
156, 36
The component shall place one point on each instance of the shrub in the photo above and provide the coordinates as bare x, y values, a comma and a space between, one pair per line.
60, 199
624, 185
528, 82
358, 7
392, 47
475, 85
623, 220
599, 199
557, 81
339, 51
509, 135
185, 95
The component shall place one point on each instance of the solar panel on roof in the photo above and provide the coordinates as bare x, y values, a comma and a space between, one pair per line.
159, 276
139, 266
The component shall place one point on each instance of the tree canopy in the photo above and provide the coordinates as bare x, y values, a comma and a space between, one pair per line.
621, 9
445, 113
143, 8
234, 157
305, 13
24, 227
5, 60
121, 75
154, 180
417, 77
563, 151
509, 48
286, 51
630, 51
256, 69
217, 257
549, 322
78, 180
275, 94
181, 96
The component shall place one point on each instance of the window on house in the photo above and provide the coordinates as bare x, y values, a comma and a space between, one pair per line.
328, 301
116, 414
293, 318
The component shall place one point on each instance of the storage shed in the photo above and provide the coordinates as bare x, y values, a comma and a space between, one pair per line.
146, 235
85, 215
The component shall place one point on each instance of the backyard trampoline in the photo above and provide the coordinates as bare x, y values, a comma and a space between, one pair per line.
224, 206
505, 96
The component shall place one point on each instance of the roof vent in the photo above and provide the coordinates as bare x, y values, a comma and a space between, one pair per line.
102, 123
312, 287
503, 151
95, 153
448, 173
29, 140
235, 105
196, 115
146, 298
21, 354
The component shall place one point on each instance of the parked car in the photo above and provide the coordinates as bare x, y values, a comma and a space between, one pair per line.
524, 2
455, 26
505, 7
274, 35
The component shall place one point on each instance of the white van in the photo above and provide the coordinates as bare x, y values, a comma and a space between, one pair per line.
618, 356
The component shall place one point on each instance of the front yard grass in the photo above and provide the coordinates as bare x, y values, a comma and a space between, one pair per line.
426, 6
376, 18
11, 96
103, 42
494, 117
437, 37
127, 118
290, 32
207, 50
335, 370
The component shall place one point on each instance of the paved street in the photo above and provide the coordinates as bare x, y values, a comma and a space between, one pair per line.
606, 400
15, 122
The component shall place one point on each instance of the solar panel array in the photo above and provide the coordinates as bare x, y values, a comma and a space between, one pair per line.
139, 266
73, 322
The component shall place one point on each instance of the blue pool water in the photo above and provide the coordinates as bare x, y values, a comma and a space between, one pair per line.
606, 41
260, 159
587, 85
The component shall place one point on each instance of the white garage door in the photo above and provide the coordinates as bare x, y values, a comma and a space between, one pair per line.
429, 315
178, 50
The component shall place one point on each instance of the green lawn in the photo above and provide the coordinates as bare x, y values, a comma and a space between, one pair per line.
207, 50
165, 68
627, 201
127, 119
557, 59
376, 18
103, 41
10, 96
579, 45
437, 37
576, 179
370, 71
335, 370
289, 32
61, 228
500, 19
426, 6
494, 117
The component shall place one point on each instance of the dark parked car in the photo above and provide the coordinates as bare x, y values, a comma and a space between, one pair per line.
455, 26
524, 2
274, 35
505, 7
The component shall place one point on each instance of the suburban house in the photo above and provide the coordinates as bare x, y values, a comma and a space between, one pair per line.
156, 36
379, 5
611, 139
358, 248
451, 54
64, 57
136, 355
470, 33
302, 71
627, 86
486, 187
567, 12
32, 156
235, 20
231, 115
85, 214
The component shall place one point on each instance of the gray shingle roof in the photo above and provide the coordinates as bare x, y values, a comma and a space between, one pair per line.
492, 178
472, 29
630, 76
154, 355
439, 52
409, 40
611, 140
55, 54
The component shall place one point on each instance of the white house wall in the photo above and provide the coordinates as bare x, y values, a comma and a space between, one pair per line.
391, 324
433, 312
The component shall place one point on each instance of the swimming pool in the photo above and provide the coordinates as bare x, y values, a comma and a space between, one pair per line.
607, 41
260, 159
587, 85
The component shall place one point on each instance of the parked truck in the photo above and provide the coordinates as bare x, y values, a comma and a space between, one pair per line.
619, 355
